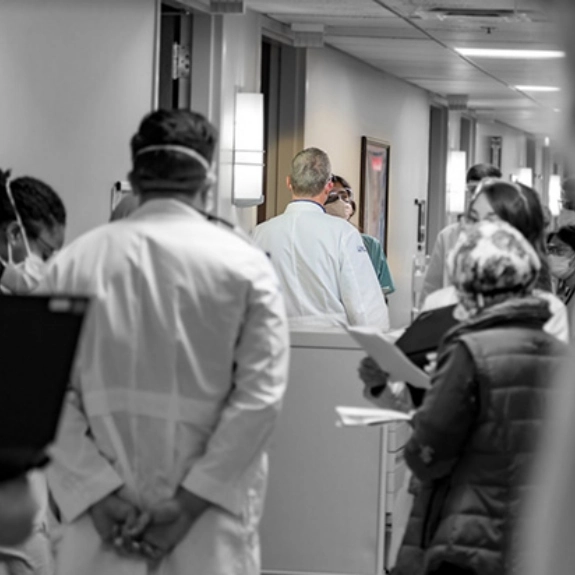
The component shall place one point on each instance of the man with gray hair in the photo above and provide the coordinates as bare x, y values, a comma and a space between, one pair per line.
324, 269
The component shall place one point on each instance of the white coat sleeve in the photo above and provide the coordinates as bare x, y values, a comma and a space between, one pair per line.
359, 287
233, 454
79, 475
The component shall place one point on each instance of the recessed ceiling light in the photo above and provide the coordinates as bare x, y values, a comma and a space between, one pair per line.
511, 54
538, 88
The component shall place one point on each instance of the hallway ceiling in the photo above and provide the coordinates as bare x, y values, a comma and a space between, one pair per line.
415, 40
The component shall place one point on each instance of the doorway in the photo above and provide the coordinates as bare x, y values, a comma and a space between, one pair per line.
283, 74
436, 194
175, 57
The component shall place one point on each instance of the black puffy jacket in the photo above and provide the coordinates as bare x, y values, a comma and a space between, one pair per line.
474, 438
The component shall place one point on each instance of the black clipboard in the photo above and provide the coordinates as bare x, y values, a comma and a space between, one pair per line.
424, 335
39, 336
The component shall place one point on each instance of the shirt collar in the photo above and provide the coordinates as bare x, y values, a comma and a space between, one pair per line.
305, 206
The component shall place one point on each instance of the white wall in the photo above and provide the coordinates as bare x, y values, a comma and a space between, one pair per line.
514, 147
76, 80
347, 99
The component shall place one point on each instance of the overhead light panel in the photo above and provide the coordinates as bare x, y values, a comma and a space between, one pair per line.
538, 88
511, 54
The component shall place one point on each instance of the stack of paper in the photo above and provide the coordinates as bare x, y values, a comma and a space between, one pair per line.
389, 357
364, 416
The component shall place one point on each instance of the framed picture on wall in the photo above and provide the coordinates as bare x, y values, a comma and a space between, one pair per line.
374, 186
495, 147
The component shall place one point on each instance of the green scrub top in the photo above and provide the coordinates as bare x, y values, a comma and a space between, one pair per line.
377, 257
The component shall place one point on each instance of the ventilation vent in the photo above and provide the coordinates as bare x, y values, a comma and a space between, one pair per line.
475, 14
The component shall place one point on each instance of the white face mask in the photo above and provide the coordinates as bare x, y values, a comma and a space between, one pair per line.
560, 266
339, 208
23, 277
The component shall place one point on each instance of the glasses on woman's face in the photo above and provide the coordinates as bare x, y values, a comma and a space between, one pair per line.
559, 250
343, 195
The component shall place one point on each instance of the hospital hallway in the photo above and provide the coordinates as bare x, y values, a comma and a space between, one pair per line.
404, 97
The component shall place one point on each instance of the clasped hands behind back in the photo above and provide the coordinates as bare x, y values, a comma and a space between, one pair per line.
150, 533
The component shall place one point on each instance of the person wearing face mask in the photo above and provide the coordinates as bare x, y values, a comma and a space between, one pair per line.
160, 465
561, 247
340, 203
32, 228
520, 206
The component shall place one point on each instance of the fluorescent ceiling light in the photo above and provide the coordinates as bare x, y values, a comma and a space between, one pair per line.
511, 54
538, 88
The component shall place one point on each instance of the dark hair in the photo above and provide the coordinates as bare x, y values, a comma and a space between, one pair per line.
341, 181
567, 235
353, 207
520, 206
37, 203
162, 168
479, 171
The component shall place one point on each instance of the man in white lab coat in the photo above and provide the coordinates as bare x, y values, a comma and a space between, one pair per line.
325, 272
159, 466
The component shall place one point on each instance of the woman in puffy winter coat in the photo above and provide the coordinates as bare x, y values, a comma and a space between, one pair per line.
475, 434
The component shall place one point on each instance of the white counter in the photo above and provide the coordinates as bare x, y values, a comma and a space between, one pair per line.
332, 490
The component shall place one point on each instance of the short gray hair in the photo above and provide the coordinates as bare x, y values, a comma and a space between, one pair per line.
310, 172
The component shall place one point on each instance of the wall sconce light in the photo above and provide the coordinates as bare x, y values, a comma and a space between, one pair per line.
555, 194
248, 158
456, 172
525, 177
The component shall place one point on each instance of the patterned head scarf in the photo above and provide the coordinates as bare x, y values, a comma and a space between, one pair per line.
490, 263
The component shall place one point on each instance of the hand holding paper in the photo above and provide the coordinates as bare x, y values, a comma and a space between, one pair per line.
389, 357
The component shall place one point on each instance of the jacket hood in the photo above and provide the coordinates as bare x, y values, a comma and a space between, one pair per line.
529, 311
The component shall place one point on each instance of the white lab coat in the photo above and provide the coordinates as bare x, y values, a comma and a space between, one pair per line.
180, 376
325, 272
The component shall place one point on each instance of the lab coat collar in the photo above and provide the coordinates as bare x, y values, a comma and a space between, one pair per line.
304, 206
168, 206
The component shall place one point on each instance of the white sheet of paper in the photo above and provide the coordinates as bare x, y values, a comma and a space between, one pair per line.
388, 356
363, 416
